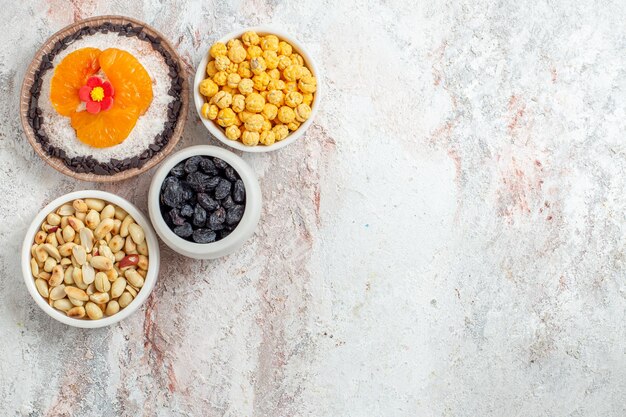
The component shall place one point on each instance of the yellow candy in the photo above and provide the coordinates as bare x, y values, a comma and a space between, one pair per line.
220, 78
239, 103
290, 86
218, 49
250, 38
261, 81
307, 84
275, 97
210, 69
274, 74
229, 90
213, 110
283, 62
303, 112
232, 68
208, 88
254, 52
292, 72
269, 111
254, 123
293, 98
258, 88
244, 115
271, 59
257, 65
276, 85
222, 99
233, 132
226, 117
267, 138
233, 80
296, 59
246, 86
280, 132
222, 62
233, 43
269, 43
244, 70
267, 125
237, 54
284, 48
250, 138
205, 111
254, 103
286, 114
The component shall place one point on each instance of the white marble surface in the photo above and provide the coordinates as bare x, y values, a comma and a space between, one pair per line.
447, 240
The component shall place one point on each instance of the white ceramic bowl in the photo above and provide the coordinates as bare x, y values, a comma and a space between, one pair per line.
151, 277
217, 130
238, 236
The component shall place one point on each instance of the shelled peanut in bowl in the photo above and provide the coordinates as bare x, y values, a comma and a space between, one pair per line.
89, 259
258, 89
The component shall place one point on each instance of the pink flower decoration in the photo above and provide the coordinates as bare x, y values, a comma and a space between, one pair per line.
97, 94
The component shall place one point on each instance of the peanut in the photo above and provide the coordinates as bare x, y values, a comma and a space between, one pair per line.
76, 312
76, 293
90, 258
112, 308
102, 263
125, 299
93, 311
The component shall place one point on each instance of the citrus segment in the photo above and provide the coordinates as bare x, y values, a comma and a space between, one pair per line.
69, 76
133, 86
106, 128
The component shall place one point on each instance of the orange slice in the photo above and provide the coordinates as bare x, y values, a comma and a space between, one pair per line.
69, 76
133, 86
107, 128
132, 97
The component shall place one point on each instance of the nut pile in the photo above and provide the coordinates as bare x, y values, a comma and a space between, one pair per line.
258, 89
89, 259
202, 199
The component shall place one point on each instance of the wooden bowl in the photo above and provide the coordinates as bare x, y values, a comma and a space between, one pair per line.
29, 79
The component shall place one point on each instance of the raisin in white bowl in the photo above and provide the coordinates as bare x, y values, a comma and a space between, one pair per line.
243, 230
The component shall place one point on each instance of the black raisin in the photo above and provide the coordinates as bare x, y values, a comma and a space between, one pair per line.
178, 170
220, 164
239, 192
183, 231
191, 164
208, 167
202, 183
199, 216
187, 194
231, 174
224, 233
217, 218
234, 215
172, 194
204, 236
228, 202
186, 210
207, 202
176, 217
222, 189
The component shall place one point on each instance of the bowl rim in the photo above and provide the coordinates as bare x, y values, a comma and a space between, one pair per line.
151, 276
28, 80
217, 132
238, 236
